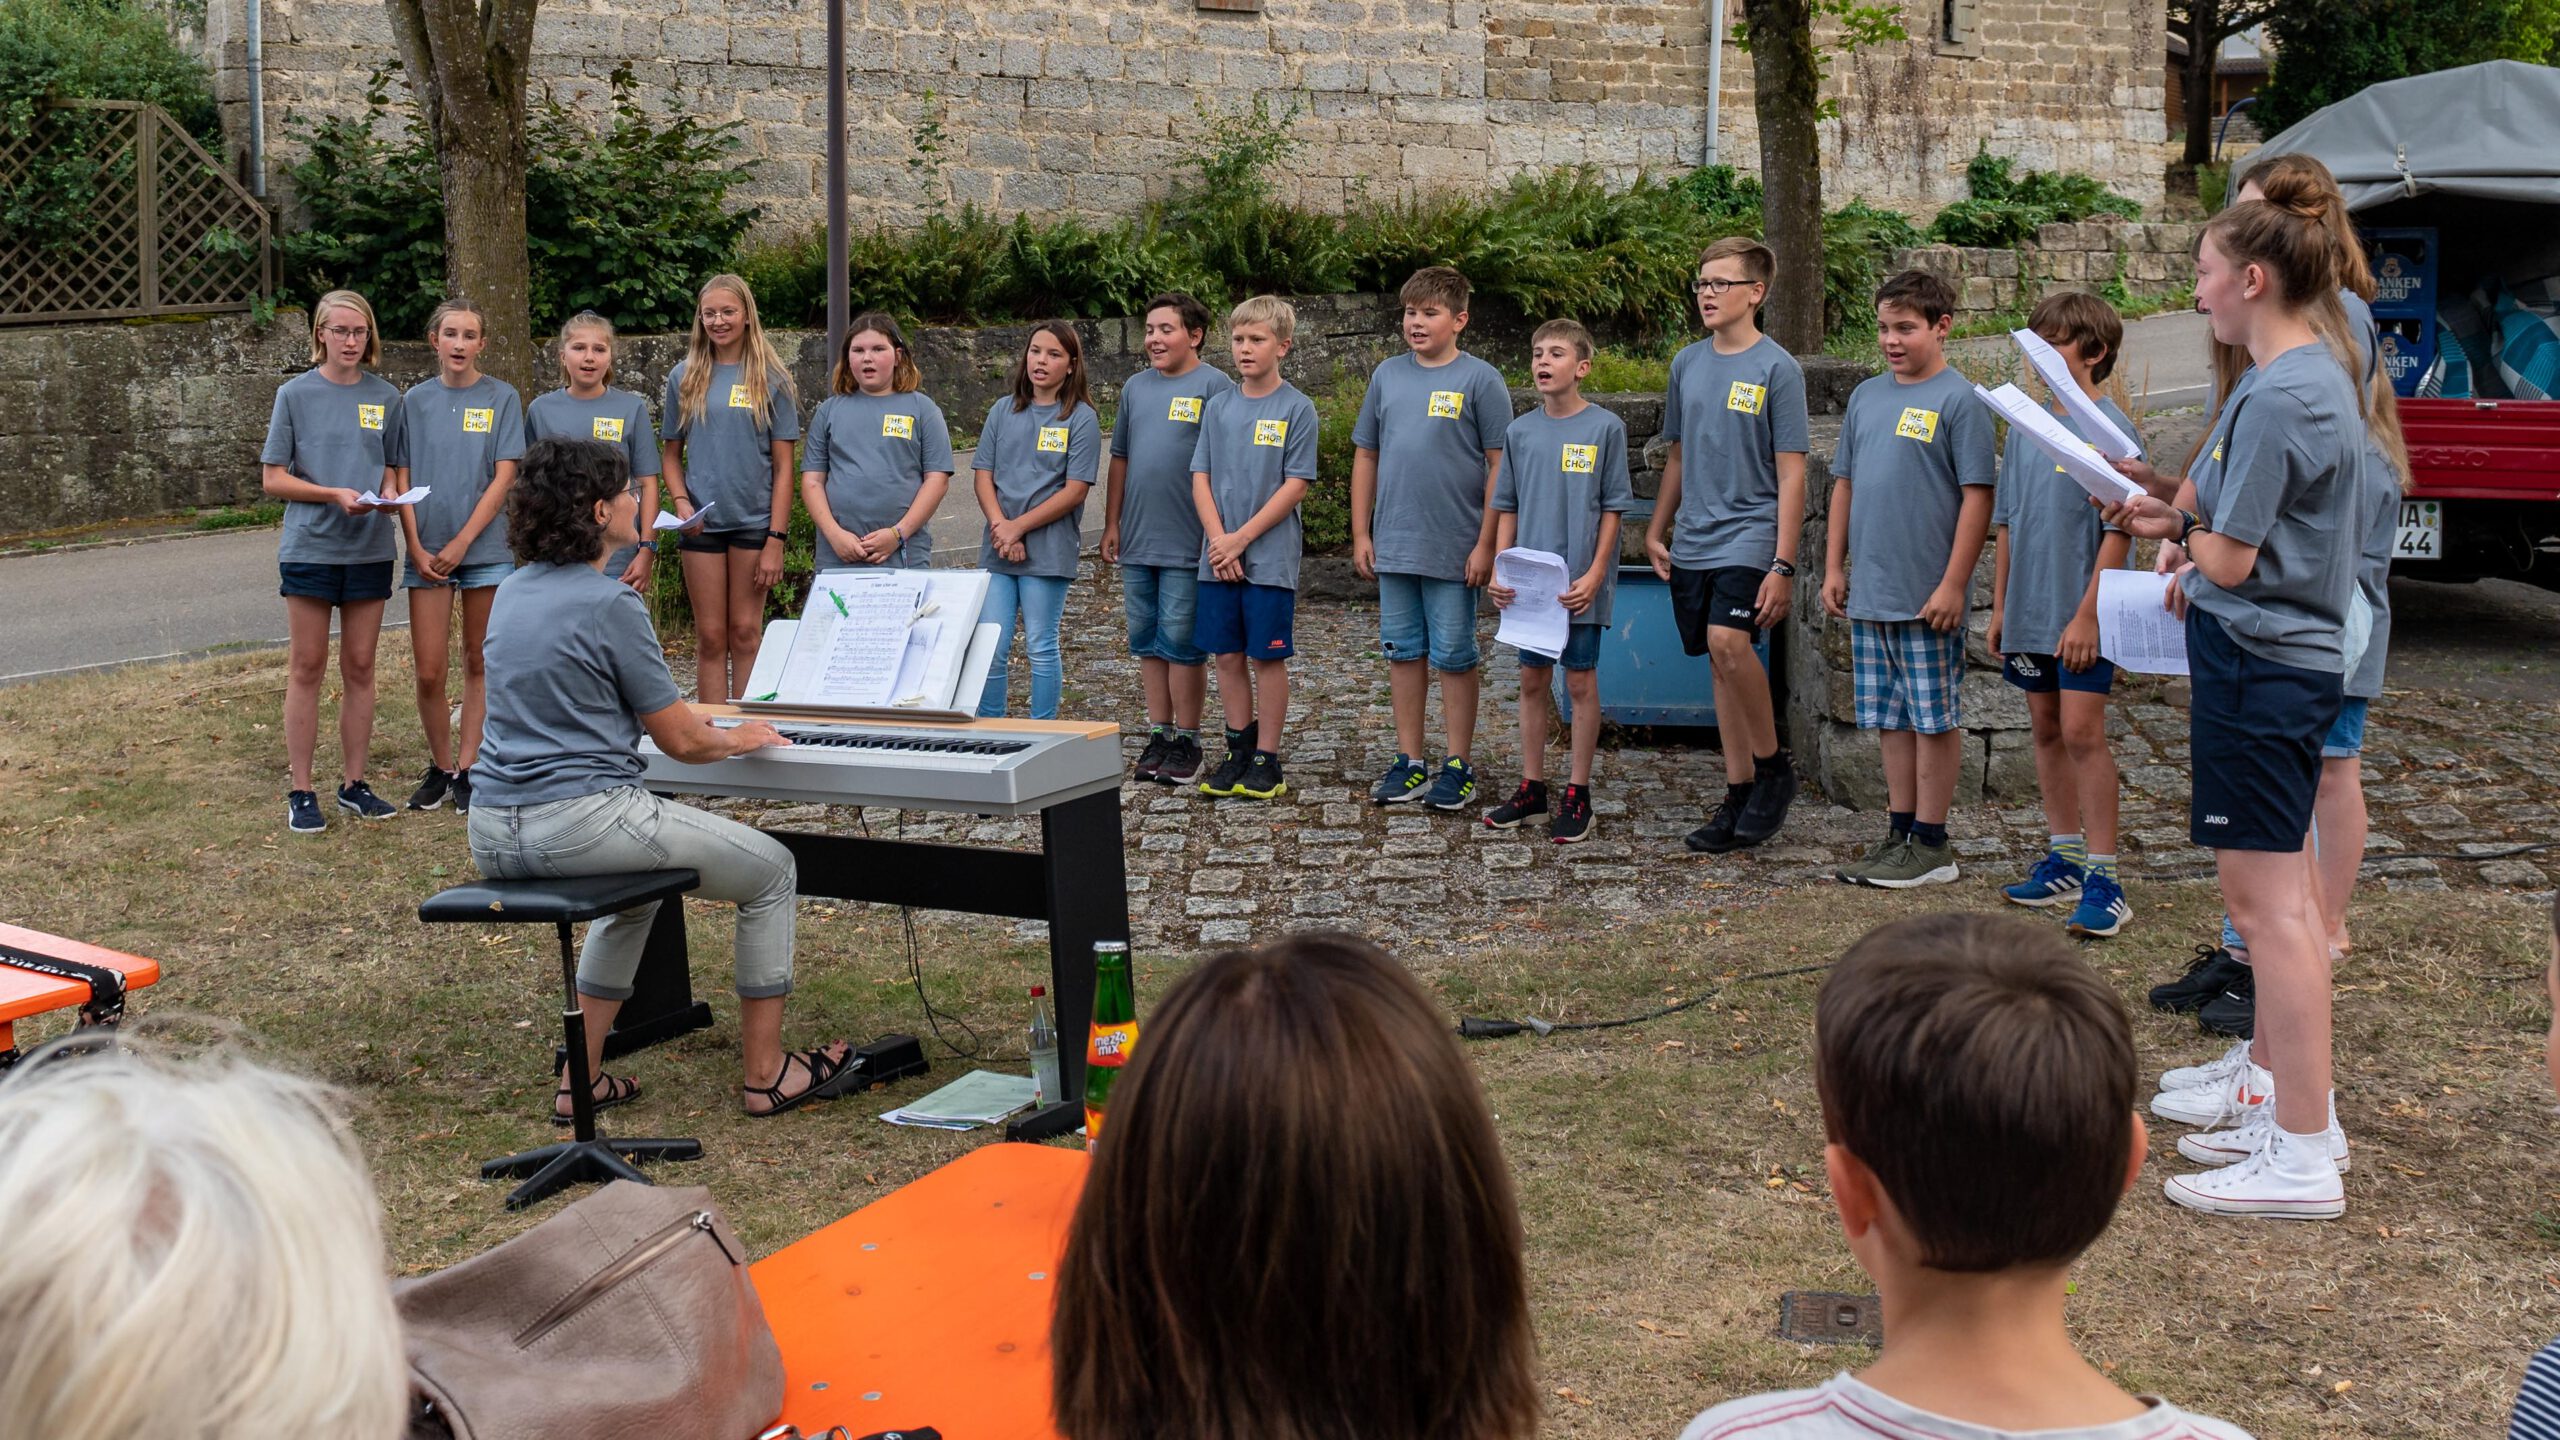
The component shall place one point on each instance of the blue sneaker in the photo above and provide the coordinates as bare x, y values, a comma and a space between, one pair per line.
1454, 788
2102, 910
2053, 881
1402, 782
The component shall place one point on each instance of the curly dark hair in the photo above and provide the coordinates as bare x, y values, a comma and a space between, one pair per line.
551, 511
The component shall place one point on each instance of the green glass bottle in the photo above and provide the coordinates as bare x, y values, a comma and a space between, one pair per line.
1115, 1031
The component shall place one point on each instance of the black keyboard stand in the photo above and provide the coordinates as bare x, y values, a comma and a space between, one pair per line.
1076, 881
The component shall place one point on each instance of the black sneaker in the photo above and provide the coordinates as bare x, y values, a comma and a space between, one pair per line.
1222, 781
302, 813
1261, 779
1181, 760
1771, 794
1716, 836
1530, 799
1572, 824
2235, 1010
461, 792
431, 788
1151, 759
2208, 975
357, 798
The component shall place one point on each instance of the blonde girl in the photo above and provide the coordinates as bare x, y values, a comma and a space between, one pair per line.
729, 417
590, 407
878, 457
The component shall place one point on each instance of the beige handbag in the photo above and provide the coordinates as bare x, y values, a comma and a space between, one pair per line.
628, 1313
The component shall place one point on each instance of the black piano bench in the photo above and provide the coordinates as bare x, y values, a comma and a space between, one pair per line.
562, 904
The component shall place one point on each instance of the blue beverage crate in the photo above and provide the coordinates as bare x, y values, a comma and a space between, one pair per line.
1645, 677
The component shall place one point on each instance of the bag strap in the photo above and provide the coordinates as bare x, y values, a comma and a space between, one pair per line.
105, 1005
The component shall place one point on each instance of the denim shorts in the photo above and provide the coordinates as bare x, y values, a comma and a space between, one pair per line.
2346, 733
1420, 618
1162, 602
1909, 677
1581, 651
464, 577
1240, 618
334, 584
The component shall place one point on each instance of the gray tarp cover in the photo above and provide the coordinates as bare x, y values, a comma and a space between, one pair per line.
2489, 130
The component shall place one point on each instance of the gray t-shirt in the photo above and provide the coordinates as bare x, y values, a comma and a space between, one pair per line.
728, 453
1033, 453
1845, 1408
573, 665
341, 435
616, 417
2285, 472
876, 451
1559, 477
1158, 428
1908, 451
2053, 540
1733, 416
1432, 429
1248, 448
457, 436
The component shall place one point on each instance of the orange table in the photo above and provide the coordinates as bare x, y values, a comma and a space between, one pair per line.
929, 1306
28, 992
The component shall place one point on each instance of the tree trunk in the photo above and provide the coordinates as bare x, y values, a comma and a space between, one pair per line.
2204, 47
1786, 90
468, 70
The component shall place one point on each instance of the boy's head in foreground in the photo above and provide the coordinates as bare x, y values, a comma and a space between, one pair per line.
1978, 1093
2086, 330
1913, 312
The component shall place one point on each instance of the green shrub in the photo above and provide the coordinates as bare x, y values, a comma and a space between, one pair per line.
377, 214
1858, 242
84, 50
2006, 210
1326, 512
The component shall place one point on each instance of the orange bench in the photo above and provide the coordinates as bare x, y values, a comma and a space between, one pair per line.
24, 993
930, 1305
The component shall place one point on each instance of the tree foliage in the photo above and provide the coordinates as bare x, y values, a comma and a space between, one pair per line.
2327, 50
84, 50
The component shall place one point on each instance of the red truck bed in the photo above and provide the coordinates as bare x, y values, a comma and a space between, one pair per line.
2484, 449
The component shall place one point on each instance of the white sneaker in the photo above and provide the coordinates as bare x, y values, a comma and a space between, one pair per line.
2215, 1072
2209, 1105
2230, 1147
2290, 1178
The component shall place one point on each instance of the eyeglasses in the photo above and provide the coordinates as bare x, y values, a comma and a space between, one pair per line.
1718, 287
342, 332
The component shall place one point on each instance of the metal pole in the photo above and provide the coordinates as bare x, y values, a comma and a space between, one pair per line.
1715, 77
257, 47
838, 302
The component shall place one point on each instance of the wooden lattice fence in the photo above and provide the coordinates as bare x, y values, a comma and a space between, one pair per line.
166, 233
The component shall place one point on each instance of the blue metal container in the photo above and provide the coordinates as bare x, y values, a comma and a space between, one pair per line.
1645, 677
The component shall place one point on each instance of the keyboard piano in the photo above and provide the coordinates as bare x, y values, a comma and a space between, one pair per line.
994, 767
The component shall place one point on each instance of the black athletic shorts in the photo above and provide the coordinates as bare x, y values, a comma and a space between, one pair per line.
1729, 597
715, 542
2254, 733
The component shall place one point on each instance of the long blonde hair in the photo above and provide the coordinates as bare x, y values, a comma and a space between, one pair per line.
760, 368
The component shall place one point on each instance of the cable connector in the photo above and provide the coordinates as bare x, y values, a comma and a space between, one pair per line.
1474, 1028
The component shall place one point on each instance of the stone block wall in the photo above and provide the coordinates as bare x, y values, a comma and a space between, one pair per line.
2150, 260
1095, 108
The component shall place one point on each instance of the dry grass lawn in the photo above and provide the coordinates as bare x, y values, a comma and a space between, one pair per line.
1671, 1172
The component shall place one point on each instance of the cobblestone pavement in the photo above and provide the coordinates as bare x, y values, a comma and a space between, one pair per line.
2446, 776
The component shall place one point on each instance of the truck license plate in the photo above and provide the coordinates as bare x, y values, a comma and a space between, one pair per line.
2421, 534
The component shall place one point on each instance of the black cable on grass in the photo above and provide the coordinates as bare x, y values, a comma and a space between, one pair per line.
1476, 1028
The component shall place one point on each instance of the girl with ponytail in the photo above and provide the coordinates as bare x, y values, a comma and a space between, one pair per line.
2270, 576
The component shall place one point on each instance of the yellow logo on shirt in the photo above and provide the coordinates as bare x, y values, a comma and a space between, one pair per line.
897, 427
1746, 397
608, 427
477, 422
1053, 439
1581, 459
1917, 424
1185, 408
2217, 452
1447, 404
1270, 432
738, 398
369, 417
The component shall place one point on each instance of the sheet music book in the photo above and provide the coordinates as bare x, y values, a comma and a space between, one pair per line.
892, 643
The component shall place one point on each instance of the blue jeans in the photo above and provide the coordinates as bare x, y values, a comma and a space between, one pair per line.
1162, 602
1042, 600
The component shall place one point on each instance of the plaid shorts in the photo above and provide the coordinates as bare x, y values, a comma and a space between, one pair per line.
1909, 677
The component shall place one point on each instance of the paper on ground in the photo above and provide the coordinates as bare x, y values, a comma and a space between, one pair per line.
2086, 467
667, 518
1535, 620
980, 1097
2094, 421
410, 496
2135, 628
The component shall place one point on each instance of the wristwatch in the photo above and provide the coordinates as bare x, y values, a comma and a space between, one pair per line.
1786, 568
777, 535
2189, 522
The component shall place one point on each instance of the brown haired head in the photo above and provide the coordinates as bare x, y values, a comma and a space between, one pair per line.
2301, 183
1187, 309
455, 305
1076, 391
1438, 285
1299, 1224
2068, 318
1985, 1074
1928, 296
904, 376
1759, 262
1570, 332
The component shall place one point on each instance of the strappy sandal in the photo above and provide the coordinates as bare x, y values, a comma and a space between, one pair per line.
618, 1090
828, 1078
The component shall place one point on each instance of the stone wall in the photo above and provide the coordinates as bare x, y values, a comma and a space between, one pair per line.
1095, 108
2150, 260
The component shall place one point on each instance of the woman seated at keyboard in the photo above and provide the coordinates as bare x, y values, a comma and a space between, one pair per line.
575, 676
